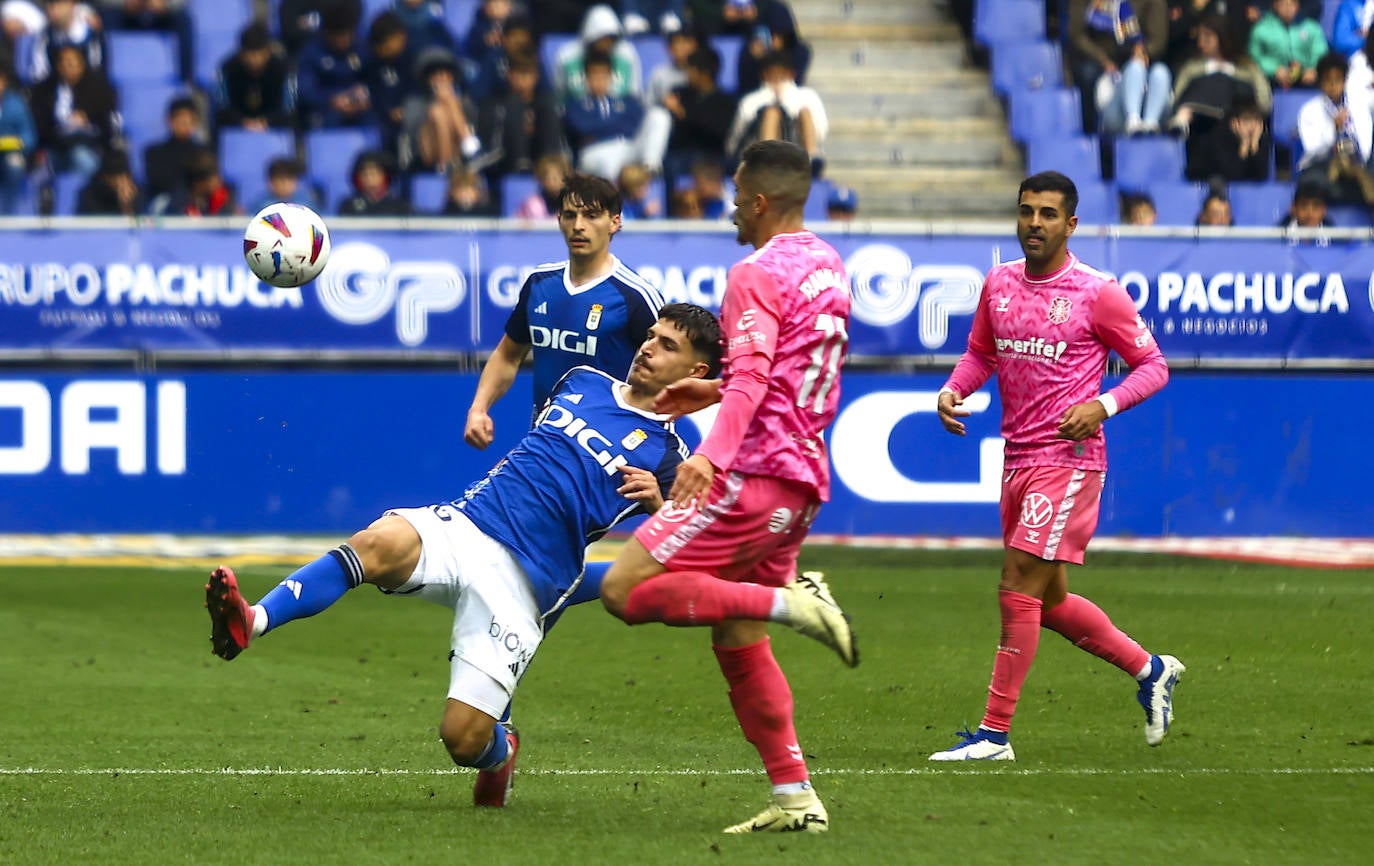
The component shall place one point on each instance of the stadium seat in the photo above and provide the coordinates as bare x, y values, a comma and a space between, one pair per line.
818, 202
244, 155
1097, 203
1287, 104
371, 9
549, 46
459, 15
653, 53
329, 155
728, 47
224, 15
1177, 202
1077, 156
213, 47
144, 109
1348, 216
66, 191
1141, 161
1259, 204
1031, 65
138, 57
1044, 113
515, 188
428, 193
996, 21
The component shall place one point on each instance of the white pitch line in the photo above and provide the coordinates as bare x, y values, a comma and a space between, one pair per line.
887, 771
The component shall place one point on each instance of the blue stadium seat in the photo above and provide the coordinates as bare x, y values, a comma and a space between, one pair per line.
371, 9
1177, 202
329, 155
549, 46
728, 47
224, 15
428, 193
653, 53
459, 14
144, 109
1097, 203
1141, 161
1027, 65
818, 202
1045, 113
1077, 156
1259, 204
244, 155
1287, 104
996, 21
137, 57
213, 47
1348, 216
66, 190
515, 188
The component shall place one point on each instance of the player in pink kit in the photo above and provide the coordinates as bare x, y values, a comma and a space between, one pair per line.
1045, 325
723, 551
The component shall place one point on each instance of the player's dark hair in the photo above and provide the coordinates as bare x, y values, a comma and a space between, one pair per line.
1332, 60
778, 169
702, 329
1052, 181
595, 193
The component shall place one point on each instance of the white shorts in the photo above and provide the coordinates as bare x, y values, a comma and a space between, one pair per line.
496, 623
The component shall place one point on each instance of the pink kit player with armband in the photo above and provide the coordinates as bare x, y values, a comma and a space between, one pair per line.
723, 551
1045, 326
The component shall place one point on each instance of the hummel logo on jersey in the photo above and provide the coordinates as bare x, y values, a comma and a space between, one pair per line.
294, 586
542, 309
1003, 304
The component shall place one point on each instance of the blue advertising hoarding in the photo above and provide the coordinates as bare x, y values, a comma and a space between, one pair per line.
434, 288
326, 452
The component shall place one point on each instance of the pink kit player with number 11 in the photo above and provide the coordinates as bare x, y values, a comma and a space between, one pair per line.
1045, 325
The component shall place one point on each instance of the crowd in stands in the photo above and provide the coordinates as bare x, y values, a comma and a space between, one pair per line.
394, 107
1192, 111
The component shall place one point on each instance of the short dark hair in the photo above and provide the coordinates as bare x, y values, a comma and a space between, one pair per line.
255, 37
524, 61
285, 166
780, 170
384, 26
1309, 191
1052, 181
593, 192
339, 17
595, 57
781, 59
1333, 60
705, 59
182, 103
702, 329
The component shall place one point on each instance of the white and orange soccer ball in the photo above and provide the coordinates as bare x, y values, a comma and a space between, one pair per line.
286, 245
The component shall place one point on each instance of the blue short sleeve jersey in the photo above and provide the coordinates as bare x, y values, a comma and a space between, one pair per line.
600, 324
555, 492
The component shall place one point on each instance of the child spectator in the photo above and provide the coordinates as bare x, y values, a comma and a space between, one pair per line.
603, 128
669, 76
842, 204
439, 118
299, 20
74, 112
112, 191
636, 195
708, 188
69, 24
1216, 211
523, 125
1213, 79
206, 192
684, 205
252, 90
1238, 148
488, 77
484, 42
1287, 46
773, 29
701, 115
467, 196
1118, 53
389, 71
285, 183
372, 185
601, 35
329, 73
780, 109
167, 164
1308, 210
18, 140
1337, 138
425, 25
551, 171
1138, 209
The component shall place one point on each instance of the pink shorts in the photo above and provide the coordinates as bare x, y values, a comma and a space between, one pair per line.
1051, 511
750, 530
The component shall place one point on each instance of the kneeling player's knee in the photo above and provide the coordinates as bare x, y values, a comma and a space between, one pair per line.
464, 741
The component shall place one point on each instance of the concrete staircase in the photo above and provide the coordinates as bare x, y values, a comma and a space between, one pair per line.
914, 129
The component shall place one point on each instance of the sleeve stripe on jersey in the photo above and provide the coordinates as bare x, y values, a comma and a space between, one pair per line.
640, 285
1091, 271
550, 266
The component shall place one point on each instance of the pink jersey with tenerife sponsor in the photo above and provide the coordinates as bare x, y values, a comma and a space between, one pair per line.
1047, 339
785, 319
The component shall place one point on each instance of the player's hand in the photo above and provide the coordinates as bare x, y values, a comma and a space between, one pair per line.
1082, 421
950, 413
686, 396
479, 430
693, 482
641, 486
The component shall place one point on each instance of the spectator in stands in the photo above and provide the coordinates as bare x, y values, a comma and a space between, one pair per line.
68, 24
1138, 209
285, 182
600, 34
164, 16
74, 111
389, 71
299, 20
1239, 148
206, 193
112, 191
780, 109
425, 25
842, 204
1351, 26
522, 126
1213, 79
1337, 138
1118, 51
1287, 46
1216, 211
18, 141
774, 29
439, 119
1186, 15
490, 77
1308, 210
672, 74
550, 172
484, 43
167, 165
636, 194
701, 115
467, 196
373, 195
604, 129
252, 91
660, 16
330, 87
684, 205
708, 190
1359, 82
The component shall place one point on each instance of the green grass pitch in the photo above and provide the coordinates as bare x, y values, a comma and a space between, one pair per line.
117, 726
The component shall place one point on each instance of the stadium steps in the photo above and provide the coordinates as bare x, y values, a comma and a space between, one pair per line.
915, 129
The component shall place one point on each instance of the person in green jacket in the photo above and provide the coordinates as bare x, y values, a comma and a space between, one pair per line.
1287, 47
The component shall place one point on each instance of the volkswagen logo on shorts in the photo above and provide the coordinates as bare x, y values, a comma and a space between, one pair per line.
1036, 510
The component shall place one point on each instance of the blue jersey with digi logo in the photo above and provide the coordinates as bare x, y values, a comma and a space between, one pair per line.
600, 324
555, 492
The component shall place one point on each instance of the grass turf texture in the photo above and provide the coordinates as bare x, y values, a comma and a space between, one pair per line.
631, 753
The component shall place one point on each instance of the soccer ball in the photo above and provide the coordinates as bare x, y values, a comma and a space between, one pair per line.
286, 245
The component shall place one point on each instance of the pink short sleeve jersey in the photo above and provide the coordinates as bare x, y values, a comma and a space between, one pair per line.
1047, 337
785, 320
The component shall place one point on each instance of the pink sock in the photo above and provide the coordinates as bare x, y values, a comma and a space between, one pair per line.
1015, 652
687, 598
763, 705
1087, 627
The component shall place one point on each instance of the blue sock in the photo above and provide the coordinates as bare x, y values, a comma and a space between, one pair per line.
590, 587
313, 587
998, 737
497, 749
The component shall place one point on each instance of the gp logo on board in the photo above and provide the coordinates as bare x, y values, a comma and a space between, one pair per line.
1036, 510
886, 287
362, 284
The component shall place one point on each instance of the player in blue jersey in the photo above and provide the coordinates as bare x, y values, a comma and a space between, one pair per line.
509, 554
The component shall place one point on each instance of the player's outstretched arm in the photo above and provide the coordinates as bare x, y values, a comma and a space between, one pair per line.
686, 396
947, 404
496, 379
